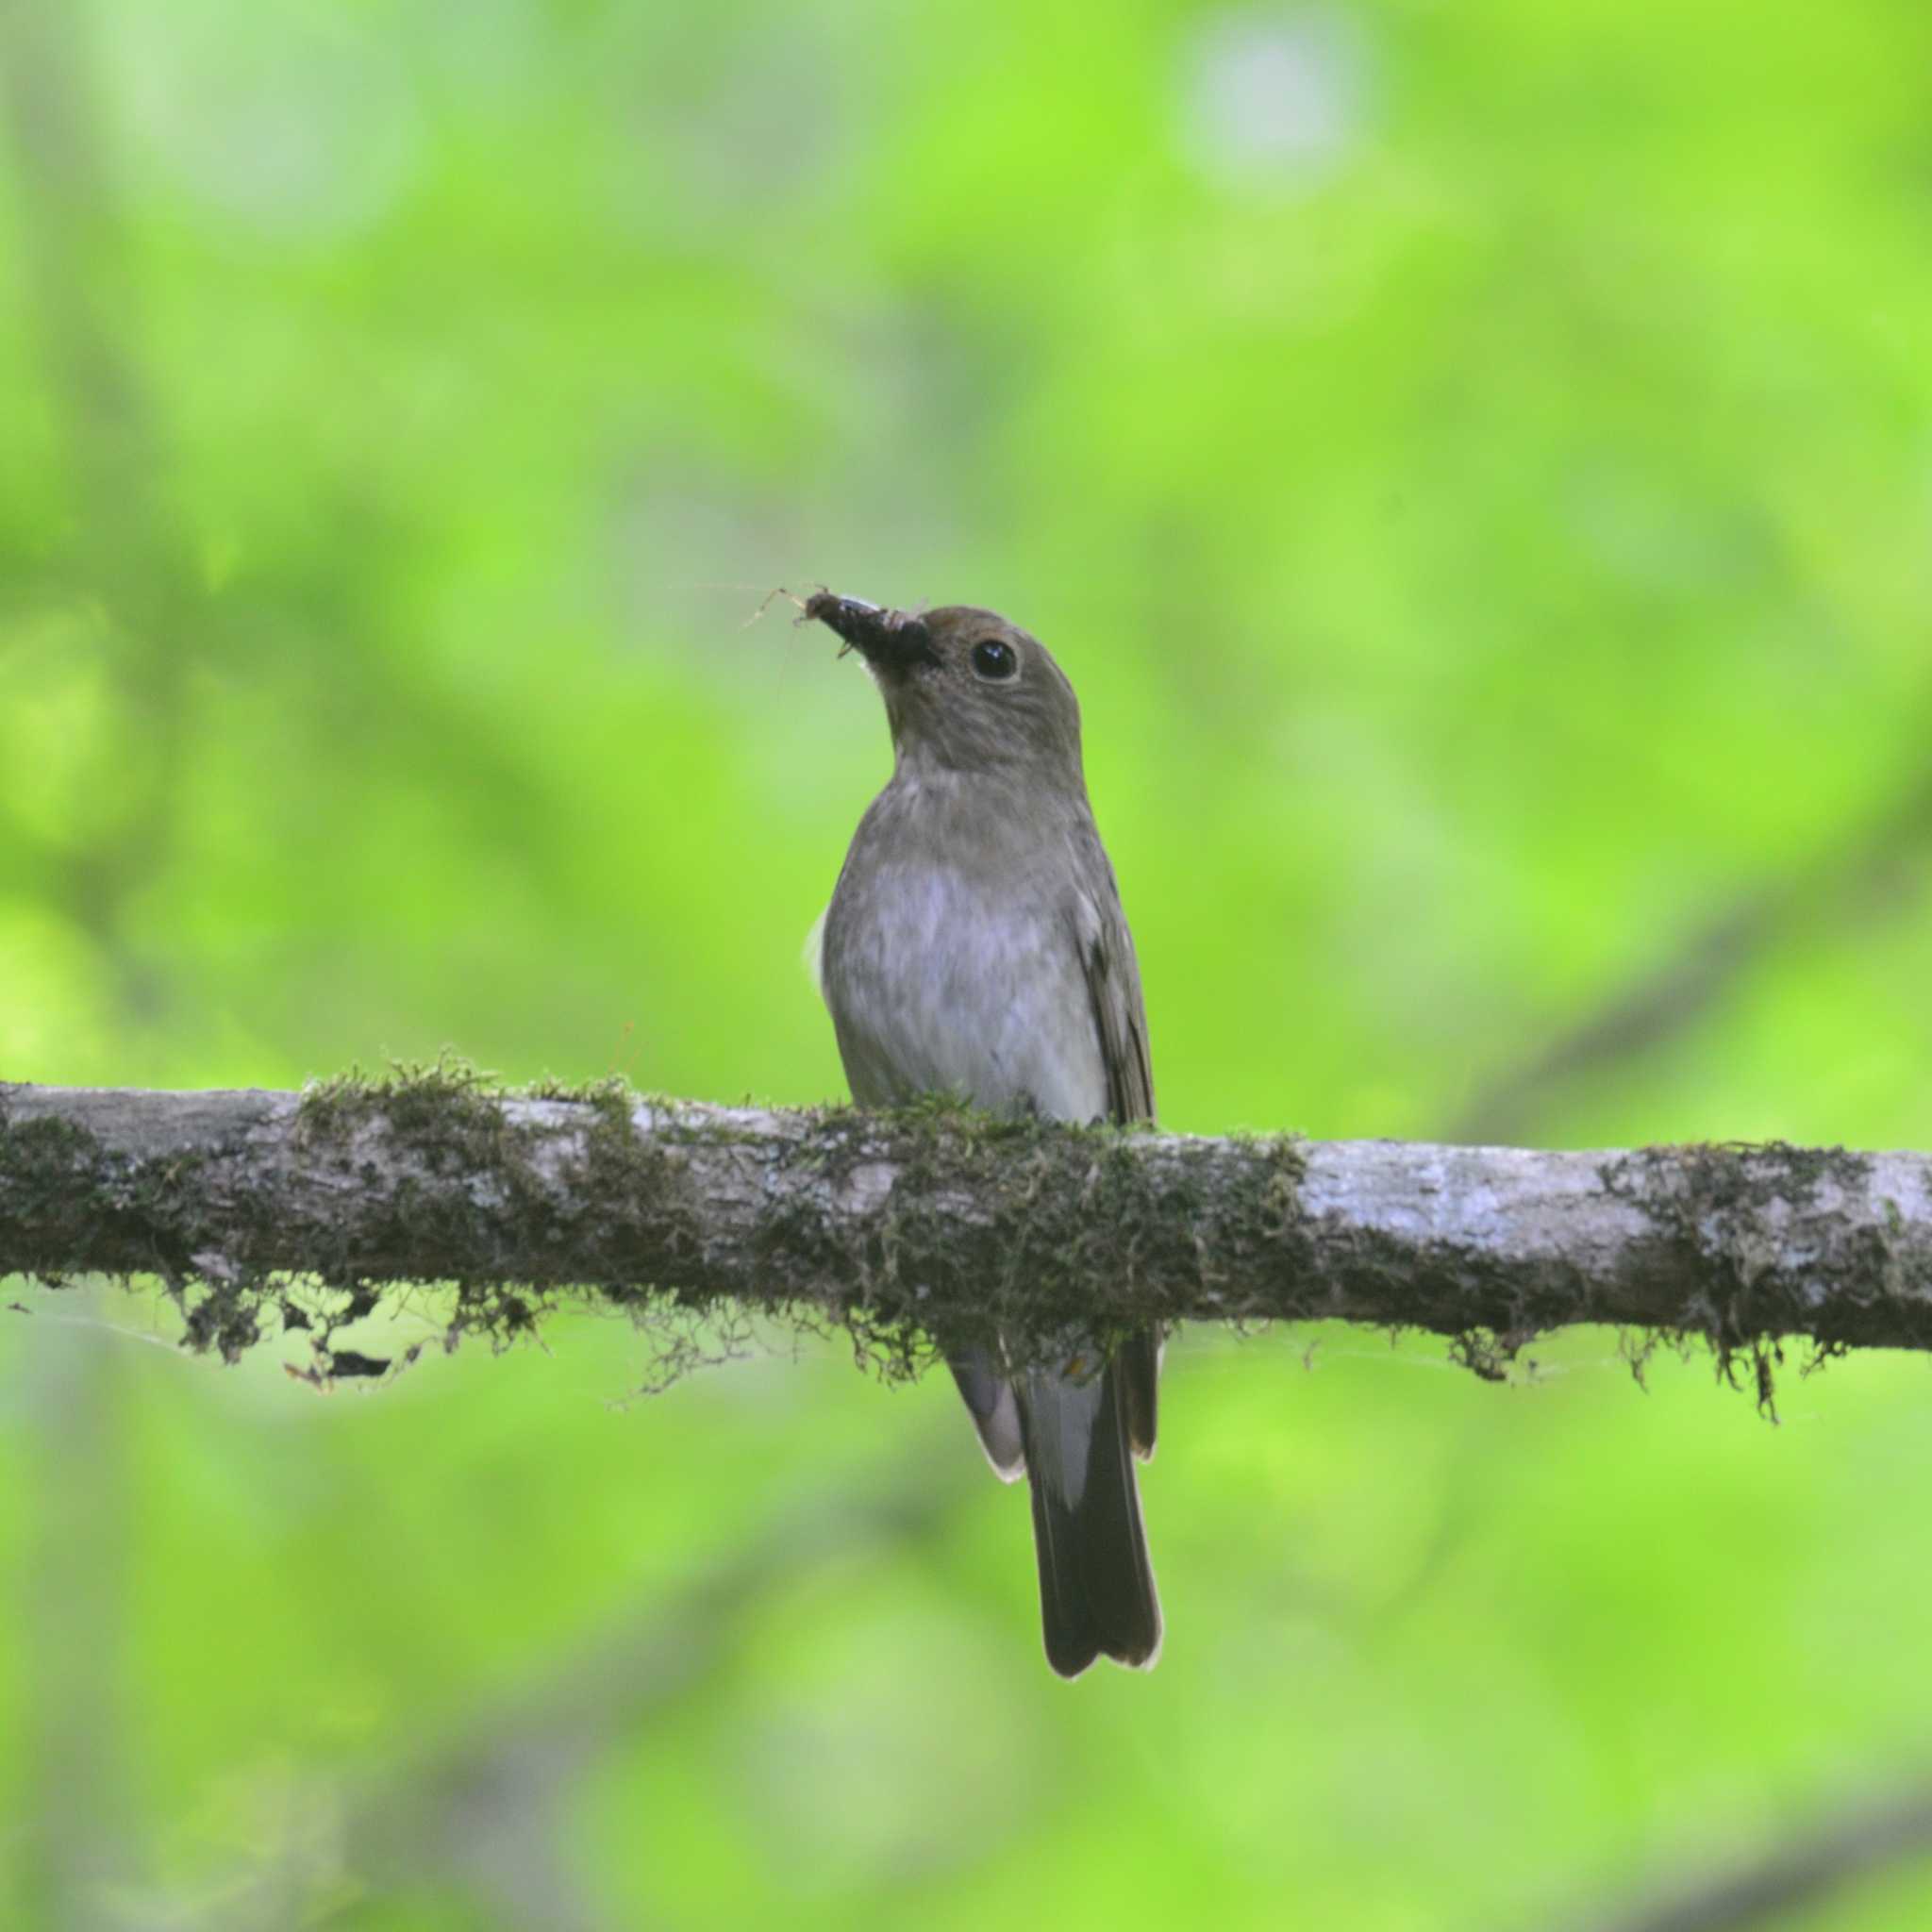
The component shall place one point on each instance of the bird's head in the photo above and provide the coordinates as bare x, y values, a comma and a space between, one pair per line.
964, 689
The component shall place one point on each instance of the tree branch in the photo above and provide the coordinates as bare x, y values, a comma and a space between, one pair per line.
312, 1209
1804, 1868
1843, 892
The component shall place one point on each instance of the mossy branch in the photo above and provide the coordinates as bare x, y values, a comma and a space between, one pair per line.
932, 1227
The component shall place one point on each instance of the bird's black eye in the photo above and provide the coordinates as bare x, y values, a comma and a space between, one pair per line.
994, 660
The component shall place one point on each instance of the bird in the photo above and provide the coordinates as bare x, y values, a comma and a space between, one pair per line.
975, 947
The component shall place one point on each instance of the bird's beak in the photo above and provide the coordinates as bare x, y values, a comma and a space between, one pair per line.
888, 640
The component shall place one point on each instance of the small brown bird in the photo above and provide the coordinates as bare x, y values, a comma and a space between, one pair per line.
975, 946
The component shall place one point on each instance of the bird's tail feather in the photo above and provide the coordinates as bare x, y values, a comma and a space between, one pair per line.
1096, 1585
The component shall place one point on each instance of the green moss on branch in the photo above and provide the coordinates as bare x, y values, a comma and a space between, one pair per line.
924, 1230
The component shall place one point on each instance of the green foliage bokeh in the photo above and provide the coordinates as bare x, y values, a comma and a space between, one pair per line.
1475, 464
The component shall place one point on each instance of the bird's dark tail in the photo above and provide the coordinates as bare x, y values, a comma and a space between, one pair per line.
1097, 1587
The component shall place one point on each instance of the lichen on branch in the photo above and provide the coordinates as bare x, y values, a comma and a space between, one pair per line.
918, 1231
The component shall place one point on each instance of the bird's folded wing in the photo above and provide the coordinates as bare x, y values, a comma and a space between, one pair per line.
1113, 989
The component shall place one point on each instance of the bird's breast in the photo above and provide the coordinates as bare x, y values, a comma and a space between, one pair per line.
939, 980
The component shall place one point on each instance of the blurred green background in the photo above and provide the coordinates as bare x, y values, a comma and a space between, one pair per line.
1476, 463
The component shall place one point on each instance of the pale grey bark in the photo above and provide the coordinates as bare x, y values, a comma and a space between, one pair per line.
935, 1221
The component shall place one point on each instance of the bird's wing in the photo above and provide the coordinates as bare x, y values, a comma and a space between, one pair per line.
814, 954
1113, 989
1119, 1018
994, 1407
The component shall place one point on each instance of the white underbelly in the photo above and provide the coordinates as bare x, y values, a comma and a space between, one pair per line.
935, 991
